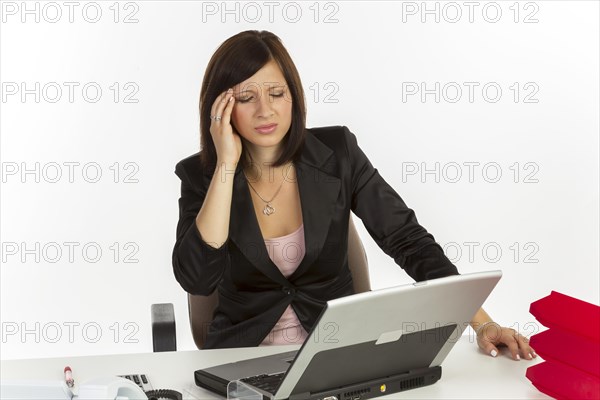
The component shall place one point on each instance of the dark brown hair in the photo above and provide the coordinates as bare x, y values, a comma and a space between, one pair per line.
237, 59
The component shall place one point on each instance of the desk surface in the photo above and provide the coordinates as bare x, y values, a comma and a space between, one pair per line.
466, 373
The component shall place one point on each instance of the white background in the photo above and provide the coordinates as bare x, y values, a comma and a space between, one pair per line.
544, 219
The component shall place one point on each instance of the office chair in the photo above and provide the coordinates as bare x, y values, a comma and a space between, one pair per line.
201, 308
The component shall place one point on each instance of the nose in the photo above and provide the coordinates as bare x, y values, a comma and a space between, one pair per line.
264, 106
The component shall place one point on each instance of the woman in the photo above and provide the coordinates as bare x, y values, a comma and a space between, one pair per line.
265, 206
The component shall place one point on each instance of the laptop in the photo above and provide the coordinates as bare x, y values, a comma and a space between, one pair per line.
366, 345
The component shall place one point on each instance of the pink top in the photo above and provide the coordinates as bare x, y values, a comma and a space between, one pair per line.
287, 252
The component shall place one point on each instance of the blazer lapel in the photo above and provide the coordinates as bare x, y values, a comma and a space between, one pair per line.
319, 189
245, 232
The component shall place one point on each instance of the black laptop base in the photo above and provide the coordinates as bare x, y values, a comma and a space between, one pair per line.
210, 382
380, 387
360, 391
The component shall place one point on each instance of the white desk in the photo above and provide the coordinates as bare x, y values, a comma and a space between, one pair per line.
466, 373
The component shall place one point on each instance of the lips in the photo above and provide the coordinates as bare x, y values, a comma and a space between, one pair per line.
266, 128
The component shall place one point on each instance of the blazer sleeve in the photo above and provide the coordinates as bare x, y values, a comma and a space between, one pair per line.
390, 222
198, 266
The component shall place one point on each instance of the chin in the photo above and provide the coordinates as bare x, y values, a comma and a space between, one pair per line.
268, 142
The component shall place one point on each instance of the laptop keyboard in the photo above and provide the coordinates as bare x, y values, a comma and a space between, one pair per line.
268, 383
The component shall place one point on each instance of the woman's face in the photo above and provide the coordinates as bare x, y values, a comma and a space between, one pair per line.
262, 112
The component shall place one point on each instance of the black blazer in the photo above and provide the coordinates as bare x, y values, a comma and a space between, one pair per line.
334, 176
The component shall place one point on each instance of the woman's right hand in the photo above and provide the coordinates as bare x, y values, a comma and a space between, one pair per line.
228, 143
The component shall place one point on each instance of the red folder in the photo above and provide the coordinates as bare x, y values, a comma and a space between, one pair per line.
568, 313
563, 382
570, 348
567, 348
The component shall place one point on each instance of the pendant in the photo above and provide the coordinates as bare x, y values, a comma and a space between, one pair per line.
268, 210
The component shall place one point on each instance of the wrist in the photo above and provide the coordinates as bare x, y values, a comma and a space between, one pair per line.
479, 330
227, 163
481, 325
224, 168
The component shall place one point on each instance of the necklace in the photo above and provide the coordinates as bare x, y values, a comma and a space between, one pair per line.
268, 209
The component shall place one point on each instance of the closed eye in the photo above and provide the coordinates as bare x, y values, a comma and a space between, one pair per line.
249, 98
244, 99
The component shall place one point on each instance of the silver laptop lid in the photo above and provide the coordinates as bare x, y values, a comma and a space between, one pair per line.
443, 307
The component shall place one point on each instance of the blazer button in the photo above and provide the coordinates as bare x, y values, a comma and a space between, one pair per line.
288, 290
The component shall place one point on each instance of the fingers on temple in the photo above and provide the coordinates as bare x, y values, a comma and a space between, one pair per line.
228, 108
217, 105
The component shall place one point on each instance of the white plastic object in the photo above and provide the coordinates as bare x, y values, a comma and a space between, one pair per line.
237, 390
23, 389
110, 387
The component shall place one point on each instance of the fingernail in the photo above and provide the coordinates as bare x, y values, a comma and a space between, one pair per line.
229, 90
530, 356
518, 357
494, 353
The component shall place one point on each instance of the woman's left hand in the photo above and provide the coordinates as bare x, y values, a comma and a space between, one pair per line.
490, 336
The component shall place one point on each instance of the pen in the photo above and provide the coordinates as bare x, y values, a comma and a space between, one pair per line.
69, 377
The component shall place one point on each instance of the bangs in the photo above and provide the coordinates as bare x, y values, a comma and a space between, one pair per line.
244, 58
